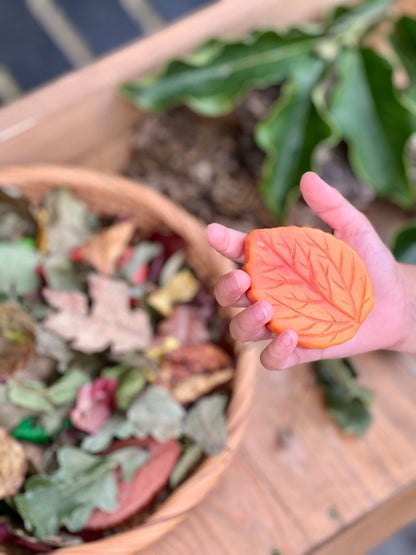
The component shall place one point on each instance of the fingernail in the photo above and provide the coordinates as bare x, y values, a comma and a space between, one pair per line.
235, 283
286, 339
262, 312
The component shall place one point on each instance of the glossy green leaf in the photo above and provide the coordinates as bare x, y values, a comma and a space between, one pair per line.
290, 135
213, 80
18, 264
376, 126
356, 21
403, 39
404, 244
347, 401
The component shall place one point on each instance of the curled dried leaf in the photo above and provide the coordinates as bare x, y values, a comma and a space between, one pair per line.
17, 338
193, 370
317, 284
13, 465
105, 248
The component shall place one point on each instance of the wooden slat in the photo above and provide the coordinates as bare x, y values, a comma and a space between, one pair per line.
82, 111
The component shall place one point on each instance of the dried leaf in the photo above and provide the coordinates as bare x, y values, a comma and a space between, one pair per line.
104, 249
192, 371
316, 283
95, 403
147, 482
115, 427
60, 273
69, 496
70, 223
185, 465
130, 460
17, 338
18, 264
181, 288
155, 413
51, 345
13, 464
206, 423
130, 384
10, 414
110, 322
186, 324
136, 260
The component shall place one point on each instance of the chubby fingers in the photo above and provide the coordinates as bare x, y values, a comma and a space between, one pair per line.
250, 324
228, 242
230, 289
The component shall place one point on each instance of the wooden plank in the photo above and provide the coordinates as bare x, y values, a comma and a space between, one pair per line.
82, 111
239, 516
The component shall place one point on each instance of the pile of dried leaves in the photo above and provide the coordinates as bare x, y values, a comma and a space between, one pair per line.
112, 375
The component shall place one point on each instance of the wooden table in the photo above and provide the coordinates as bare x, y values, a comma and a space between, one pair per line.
297, 484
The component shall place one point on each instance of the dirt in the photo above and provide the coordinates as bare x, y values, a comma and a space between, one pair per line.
212, 166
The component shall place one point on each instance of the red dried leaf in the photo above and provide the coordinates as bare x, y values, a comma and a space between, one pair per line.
316, 283
186, 324
149, 479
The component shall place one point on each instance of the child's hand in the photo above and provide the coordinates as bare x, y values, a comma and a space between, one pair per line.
386, 326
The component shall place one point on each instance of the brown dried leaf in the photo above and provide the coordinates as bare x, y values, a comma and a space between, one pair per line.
17, 338
110, 322
13, 465
193, 370
104, 249
186, 324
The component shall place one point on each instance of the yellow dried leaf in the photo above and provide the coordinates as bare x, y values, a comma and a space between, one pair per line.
195, 387
13, 465
104, 249
169, 344
181, 288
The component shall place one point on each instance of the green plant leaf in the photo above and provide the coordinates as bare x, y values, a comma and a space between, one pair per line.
290, 135
353, 23
376, 126
212, 80
403, 39
17, 267
206, 423
404, 244
82, 483
346, 400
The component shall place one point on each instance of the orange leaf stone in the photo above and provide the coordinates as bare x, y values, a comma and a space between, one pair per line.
317, 284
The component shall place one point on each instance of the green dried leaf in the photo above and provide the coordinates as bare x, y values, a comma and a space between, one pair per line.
116, 427
289, 135
206, 423
60, 273
30, 395
10, 414
18, 264
366, 111
64, 390
129, 459
131, 383
156, 413
215, 78
185, 465
143, 253
68, 497
70, 223
404, 244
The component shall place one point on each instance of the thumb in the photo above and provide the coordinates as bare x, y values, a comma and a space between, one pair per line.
332, 207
